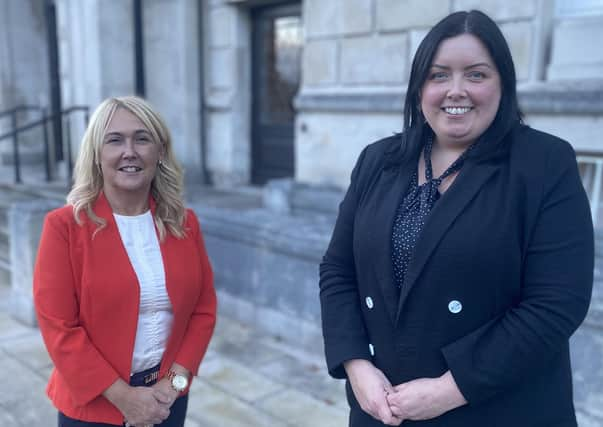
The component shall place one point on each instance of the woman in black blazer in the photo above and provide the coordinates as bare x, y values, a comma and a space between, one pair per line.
462, 257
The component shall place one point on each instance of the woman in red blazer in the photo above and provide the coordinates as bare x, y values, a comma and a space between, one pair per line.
123, 286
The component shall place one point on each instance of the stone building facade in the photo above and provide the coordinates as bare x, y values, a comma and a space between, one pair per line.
350, 61
256, 90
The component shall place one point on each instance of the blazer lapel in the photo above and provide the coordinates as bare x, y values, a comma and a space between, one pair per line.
389, 193
467, 184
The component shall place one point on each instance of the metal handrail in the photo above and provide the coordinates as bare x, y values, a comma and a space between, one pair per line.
16, 130
20, 108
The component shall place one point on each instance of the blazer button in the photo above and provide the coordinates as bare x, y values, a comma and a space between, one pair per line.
369, 302
455, 306
371, 349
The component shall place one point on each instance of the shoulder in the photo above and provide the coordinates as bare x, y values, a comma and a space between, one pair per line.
62, 216
540, 159
373, 156
530, 142
60, 223
382, 146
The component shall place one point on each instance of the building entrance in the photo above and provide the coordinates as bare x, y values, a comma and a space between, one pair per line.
276, 69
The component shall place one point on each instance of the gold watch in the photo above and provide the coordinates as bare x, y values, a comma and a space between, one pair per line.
178, 382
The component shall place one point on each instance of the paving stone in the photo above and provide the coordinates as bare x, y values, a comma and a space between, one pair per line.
189, 422
251, 353
308, 378
229, 329
29, 349
45, 371
231, 376
7, 419
304, 411
9, 328
241, 343
23, 384
215, 408
34, 410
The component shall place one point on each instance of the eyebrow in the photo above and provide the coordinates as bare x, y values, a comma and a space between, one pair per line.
479, 64
136, 132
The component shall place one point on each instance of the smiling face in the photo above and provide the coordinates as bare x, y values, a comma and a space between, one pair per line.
128, 156
462, 92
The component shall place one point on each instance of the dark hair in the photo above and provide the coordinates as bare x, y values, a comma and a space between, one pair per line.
485, 29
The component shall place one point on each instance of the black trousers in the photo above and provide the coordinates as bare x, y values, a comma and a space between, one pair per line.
177, 411
176, 418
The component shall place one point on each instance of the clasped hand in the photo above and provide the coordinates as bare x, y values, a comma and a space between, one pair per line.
419, 399
147, 406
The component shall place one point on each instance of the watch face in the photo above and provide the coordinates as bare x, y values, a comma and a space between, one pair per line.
179, 382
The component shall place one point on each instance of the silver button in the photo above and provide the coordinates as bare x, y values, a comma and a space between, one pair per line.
455, 306
369, 302
371, 349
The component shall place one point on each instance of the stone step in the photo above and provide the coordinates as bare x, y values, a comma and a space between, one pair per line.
28, 155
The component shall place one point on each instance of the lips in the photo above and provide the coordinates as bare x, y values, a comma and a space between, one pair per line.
129, 169
456, 111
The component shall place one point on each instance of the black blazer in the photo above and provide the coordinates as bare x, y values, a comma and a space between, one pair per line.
500, 278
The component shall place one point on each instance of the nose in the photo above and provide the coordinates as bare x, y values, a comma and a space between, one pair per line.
457, 88
129, 149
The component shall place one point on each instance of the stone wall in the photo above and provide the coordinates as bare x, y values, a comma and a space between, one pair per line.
357, 59
23, 72
97, 61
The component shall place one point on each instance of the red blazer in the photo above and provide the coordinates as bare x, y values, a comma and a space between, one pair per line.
86, 295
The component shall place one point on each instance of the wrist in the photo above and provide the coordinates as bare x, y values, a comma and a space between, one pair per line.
351, 363
178, 380
117, 393
352, 366
452, 394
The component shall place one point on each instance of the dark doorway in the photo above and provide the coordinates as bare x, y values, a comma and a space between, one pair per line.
276, 69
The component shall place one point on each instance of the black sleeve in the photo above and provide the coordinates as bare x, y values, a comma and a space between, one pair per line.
557, 283
343, 328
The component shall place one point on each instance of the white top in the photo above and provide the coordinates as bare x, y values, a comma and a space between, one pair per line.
155, 312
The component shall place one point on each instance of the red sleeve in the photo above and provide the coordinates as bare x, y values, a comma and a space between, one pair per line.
75, 357
203, 319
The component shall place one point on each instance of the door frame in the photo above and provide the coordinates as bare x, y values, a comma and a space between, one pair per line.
271, 10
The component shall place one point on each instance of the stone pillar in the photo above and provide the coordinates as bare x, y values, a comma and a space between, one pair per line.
96, 48
96, 43
172, 58
228, 92
25, 220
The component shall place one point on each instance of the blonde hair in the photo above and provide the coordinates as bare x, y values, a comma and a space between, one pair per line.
167, 185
